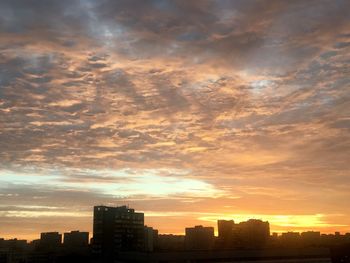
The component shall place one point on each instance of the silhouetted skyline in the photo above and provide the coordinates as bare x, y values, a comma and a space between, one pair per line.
120, 235
223, 228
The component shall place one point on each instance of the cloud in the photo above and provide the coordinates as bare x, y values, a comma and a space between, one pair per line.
249, 100
114, 183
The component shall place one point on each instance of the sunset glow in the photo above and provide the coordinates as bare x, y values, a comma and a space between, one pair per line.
191, 111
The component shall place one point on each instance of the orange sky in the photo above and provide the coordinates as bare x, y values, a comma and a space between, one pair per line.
190, 111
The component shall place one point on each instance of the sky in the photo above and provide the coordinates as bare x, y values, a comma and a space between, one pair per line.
190, 111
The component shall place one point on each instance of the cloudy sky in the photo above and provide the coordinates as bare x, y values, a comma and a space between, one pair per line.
187, 110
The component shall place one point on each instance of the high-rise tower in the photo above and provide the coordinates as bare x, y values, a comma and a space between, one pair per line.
116, 229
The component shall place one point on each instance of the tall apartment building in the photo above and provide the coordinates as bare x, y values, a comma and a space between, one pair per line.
117, 229
75, 239
225, 232
150, 238
249, 234
199, 238
253, 233
50, 240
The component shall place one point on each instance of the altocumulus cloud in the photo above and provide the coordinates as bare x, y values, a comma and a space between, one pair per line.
214, 107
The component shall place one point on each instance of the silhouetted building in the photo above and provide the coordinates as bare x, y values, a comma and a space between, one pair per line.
150, 238
76, 239
250, 234
253, 233
155, 238
170, 242
117, 229
225, 232
199, 237
13, 250
50, 240
13, 243
291, 239
310, 238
